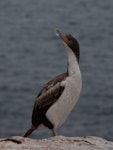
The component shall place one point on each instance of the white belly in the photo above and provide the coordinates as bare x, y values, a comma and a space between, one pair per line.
60, 110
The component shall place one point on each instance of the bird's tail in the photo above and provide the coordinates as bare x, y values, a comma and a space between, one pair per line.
29, 131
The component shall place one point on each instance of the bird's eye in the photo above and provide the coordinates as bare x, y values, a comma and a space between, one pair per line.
69, 39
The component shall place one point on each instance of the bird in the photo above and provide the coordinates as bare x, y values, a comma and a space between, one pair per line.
58, 97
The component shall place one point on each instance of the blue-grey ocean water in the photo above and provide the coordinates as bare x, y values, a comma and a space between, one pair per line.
31, 54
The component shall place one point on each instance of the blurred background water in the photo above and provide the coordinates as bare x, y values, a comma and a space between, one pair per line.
31, 55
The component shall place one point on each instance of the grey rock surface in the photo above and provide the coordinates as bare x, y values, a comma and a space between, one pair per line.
56, 143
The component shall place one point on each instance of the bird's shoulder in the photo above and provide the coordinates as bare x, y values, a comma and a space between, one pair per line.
52, 83
52, 90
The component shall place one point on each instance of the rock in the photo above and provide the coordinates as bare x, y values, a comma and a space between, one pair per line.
56, 143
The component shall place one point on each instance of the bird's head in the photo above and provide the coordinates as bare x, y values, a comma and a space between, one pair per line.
71, 42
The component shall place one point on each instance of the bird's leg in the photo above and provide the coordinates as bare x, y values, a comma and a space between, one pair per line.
54, 132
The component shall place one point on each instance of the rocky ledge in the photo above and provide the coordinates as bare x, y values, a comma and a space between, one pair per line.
56, 143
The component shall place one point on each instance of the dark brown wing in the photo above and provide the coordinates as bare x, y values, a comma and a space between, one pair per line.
47, 96
51, 83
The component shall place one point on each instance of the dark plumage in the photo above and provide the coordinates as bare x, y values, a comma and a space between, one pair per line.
46, 97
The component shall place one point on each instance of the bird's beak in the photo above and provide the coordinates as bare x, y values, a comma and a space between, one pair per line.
63, 37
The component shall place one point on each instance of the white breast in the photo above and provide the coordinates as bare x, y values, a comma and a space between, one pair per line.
59, 111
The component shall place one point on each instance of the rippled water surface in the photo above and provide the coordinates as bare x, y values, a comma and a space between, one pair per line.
31, 54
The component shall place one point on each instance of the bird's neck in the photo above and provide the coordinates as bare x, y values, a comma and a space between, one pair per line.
73, 66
